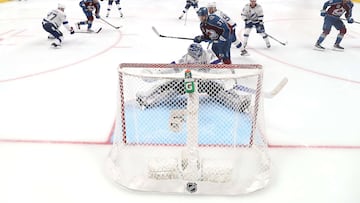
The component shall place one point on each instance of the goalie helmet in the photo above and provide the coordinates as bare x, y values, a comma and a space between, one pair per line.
203, 11
195, 50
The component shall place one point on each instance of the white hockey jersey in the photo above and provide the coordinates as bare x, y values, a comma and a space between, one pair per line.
225, 17
57, 18
206, 58
254, 15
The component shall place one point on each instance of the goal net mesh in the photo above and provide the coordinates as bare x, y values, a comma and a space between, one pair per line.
190, 128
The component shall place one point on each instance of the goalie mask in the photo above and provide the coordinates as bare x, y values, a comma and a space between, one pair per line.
195, 50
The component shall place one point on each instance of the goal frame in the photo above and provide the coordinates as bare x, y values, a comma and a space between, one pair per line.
155, 180
190, 66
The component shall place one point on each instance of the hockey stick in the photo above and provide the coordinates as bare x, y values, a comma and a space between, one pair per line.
185, 18
116, 27
158, 34
354, 20
282, 43
270, 94
87, 32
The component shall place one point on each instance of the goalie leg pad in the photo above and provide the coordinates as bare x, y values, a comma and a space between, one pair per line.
234, 101
158, 95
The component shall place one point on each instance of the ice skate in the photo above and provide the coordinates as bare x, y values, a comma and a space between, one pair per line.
319, 47
244, 53
51, 37
337, 47
268, 45
56, 45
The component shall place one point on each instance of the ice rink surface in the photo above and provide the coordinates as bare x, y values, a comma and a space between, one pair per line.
57, 106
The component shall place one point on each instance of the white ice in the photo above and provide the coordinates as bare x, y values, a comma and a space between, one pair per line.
57, 106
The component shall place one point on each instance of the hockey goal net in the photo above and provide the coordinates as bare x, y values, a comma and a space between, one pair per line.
190, 128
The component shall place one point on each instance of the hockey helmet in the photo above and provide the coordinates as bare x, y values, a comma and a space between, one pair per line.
211, 5
61, 6
195, 50
203, 11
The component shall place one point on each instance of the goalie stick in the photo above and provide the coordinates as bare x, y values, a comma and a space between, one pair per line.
116, 27
282, 43
158, 34
87, 32
268, 95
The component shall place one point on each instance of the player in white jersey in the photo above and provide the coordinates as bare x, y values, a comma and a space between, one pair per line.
160, 94
232, 24
53, 21
117, 2
253, 16
197, 55
188, 4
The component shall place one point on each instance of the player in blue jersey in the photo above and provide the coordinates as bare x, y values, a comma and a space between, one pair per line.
117, 2
335, 9
232, 24
216, 31
88, 6
189, 3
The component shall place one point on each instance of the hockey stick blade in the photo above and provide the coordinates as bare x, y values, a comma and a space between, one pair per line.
280, 42
155, 30
160, 35
277, 88
99, 30
116, 27
268, 95
87, 32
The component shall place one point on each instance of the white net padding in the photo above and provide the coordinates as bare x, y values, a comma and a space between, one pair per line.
197, 135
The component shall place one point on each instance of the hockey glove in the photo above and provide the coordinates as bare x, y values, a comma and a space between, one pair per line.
350, 20
198, 39
97, 16
72, 30
322, 13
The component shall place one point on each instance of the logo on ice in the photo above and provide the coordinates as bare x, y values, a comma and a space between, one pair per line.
189, 82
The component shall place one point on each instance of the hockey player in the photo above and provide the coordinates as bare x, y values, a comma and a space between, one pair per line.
117, 2
213, 10
216, 31
88, 6
53, 21
253, 16
332, 18
197, 55
161, 94
189, 3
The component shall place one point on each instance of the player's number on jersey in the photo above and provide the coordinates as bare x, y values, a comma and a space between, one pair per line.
51, 16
